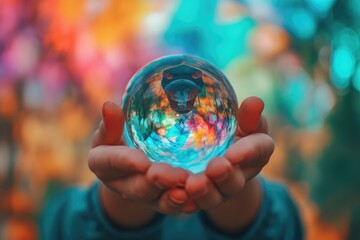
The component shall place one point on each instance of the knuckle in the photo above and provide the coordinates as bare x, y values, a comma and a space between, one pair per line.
138, 193
251, 151
118, 187
91, 160
141, 196
95, 138
227, 166
266, 148
153, 177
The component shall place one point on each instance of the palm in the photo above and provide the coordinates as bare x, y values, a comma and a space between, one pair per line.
227, 175
129, 172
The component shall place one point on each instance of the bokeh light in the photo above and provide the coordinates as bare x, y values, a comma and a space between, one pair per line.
301, 23
320, 6
343, 65
356, 80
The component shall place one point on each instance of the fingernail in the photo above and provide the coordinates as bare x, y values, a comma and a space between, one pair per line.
177, 201
107, 104
222, 177
110, 104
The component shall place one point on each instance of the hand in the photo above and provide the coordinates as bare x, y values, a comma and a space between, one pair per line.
129, 175
225, 177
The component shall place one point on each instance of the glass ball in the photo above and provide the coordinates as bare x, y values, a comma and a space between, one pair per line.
180, 110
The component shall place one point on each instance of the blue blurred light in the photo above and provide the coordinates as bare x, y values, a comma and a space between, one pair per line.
302, 24
343, 64
348, 37
320, 6
356, 79
296, 90
354, 7
198, 33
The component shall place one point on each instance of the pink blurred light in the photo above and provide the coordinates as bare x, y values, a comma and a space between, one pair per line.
10, 12
22, 54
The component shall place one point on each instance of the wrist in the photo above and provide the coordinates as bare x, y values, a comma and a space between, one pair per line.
123, 212
238, 213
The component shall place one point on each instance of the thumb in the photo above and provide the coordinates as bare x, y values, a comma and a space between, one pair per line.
111, 126
250, 118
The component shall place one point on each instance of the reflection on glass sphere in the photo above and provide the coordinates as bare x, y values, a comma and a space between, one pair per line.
180, 110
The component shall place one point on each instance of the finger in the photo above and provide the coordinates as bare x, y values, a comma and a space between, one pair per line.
228, 179
248, 149
250, 119
136, 188
172, 201
219, 168
165, 176
190, 207
202, 190
262, 127
111, 127
112, 162
252, 151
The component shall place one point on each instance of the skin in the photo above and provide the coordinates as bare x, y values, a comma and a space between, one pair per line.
134, 188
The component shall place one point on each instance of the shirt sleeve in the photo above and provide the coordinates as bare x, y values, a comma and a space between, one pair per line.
77, 214
278, 218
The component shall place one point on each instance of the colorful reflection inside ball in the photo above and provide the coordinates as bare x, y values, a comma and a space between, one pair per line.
180, 110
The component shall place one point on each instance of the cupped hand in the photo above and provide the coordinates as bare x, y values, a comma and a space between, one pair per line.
226, 176
130, 174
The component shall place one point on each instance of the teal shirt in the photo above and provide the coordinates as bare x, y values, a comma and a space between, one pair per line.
77, 215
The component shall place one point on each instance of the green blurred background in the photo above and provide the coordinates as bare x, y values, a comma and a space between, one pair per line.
61, 59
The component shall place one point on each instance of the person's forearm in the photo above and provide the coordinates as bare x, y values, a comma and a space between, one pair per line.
238, 213
123, 212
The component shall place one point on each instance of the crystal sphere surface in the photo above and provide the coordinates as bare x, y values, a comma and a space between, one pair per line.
180, 110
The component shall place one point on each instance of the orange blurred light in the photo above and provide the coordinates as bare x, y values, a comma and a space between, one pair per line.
268, 41
8, 101
109, 25
63, 18
18, 229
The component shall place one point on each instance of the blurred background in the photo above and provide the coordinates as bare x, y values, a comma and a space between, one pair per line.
61, 59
